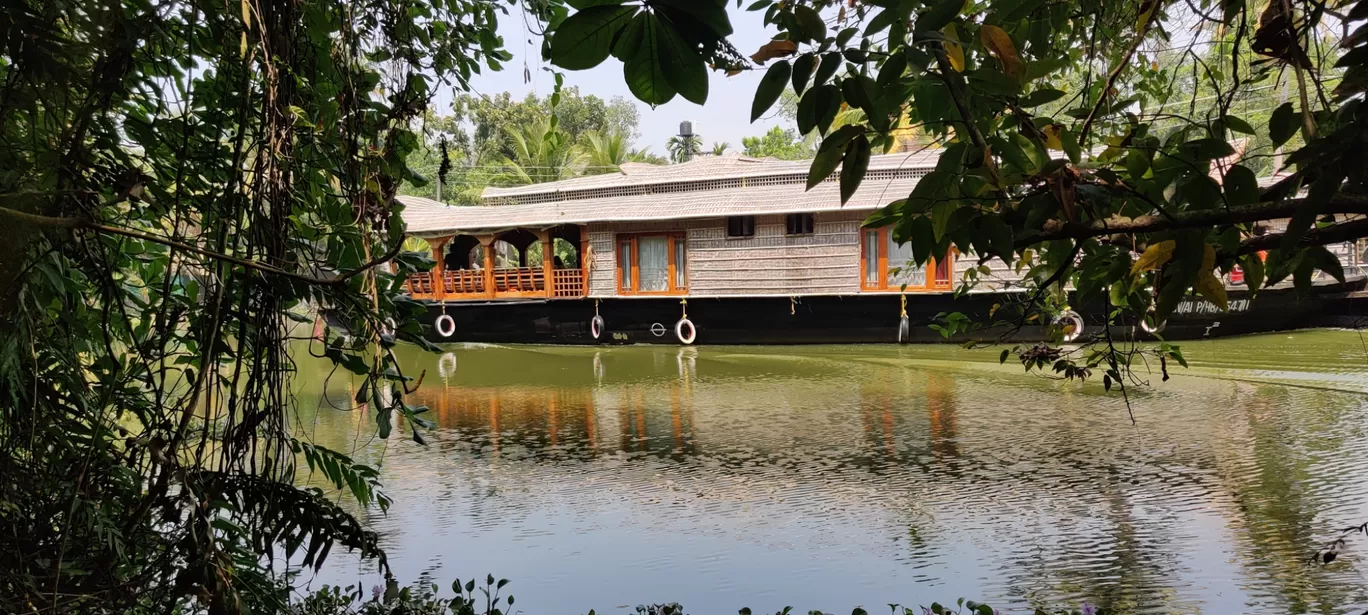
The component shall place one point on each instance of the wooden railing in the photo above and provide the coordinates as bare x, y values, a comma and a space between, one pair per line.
567, 283
520, 280
463, 282
420, 284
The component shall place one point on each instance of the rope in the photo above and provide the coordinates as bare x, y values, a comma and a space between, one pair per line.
904, 305
793, 306
596, 302
684, 308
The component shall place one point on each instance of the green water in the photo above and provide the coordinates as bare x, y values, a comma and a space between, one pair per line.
829, 477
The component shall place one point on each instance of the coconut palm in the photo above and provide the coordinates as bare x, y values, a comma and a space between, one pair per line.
684, 148
720, 147
541, 153
604, 153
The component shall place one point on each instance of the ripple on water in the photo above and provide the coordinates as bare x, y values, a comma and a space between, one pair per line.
830, 477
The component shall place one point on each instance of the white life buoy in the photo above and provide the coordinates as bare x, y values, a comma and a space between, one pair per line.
446, 326
904, 330
446, 366
1070, 318
680, 331
596, 326
389, 327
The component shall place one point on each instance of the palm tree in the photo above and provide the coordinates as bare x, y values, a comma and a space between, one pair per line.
684, 148
720, 148
540, 154
605, 153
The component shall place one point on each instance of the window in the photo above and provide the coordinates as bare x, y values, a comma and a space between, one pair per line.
741, 226
798, 224
652, 265
886, 265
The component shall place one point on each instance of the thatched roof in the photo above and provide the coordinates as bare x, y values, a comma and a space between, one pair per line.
709, 187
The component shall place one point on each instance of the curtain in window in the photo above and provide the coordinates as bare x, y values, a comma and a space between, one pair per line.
653, 254
900, 269
681, 278
871, 250
625, 264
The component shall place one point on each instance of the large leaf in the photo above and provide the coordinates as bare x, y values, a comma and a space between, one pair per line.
1241, 186
1040, 97
802, 70
818, 108
810, 23
854, 166
827, 68
1282, 124
1325, 260
1253, 267
710, 13
940, 14
1212, 289
771, 86
823, 165
683, 67
642, 66
1154, 256
585, 39
999, 43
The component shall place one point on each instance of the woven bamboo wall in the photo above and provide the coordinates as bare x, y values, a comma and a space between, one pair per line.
771, 262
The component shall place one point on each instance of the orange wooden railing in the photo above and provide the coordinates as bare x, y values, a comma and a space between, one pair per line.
420, 284
463, 282
567, 283
520, 280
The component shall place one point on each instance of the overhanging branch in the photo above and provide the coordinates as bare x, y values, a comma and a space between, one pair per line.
1341, 204
84, 224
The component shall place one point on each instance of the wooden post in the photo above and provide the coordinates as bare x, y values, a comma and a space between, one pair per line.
439, 270
548, 262
488, 242
585, 265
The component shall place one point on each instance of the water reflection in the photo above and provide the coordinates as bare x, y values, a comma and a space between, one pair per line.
836, 476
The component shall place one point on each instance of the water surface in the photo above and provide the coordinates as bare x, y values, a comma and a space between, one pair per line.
829, 477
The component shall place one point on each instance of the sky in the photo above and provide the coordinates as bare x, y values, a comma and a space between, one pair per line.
725, 117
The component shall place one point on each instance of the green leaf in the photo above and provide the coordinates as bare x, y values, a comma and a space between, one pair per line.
1325, 260
1253, 267
1238, 125
999, 236
771, 86
585, 39
991, 81
1282, 124
1040, 97
642, 66
1241, 186
810, 23
940, 14
1207, 149
823, 165
683, 67
709, 13
854, 166
827, 68
802, 69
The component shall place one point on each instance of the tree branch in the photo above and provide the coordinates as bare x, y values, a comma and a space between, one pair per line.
84, 224
1116, 72
1341, 204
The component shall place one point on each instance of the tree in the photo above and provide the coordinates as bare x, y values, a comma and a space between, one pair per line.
490, 120
720, 147
541, 153
777, 143
683, 149
604, 153
184, 188
1069, 147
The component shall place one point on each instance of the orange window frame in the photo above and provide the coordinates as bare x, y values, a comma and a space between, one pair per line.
632, 242
934, 267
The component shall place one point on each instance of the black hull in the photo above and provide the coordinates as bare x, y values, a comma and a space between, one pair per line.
871, 318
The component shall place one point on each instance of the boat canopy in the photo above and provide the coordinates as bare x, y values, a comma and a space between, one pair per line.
707, 187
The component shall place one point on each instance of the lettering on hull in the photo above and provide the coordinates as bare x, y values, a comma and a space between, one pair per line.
1200, 307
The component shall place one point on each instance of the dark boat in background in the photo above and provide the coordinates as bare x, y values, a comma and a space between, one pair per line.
734, 250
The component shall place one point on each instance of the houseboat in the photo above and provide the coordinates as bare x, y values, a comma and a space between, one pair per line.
736, 250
